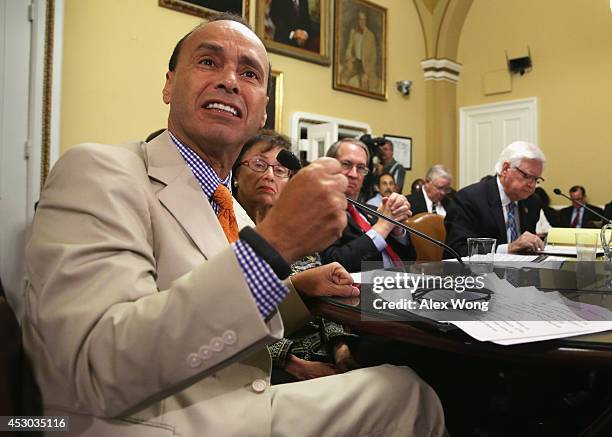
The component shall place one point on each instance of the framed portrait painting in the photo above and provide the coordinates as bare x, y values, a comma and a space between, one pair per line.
360, 49
275, 102
296, 28
206, 8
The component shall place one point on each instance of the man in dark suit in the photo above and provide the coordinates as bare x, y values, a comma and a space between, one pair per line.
432, 195
608, 211
501, 207
364, 238
576, 216
291, 20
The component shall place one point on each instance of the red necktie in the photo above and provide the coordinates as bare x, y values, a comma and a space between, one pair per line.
226, 216
576, 218
365, 227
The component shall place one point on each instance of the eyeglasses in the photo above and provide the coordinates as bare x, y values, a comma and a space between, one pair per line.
529, 177
261, 166
444, 190
348, 166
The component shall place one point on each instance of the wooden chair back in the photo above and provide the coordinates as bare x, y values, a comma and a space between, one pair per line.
432, 225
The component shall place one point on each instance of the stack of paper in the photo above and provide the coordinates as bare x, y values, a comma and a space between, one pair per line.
525, 314
514, 315
508, 333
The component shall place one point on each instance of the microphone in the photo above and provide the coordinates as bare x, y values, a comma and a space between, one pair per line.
558, 192
289, 160
408, 229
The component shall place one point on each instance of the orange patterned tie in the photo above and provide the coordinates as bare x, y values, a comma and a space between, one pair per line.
223, 198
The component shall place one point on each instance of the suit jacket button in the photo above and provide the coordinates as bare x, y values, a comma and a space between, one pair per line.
205, 352
217, 344
230, 337
259, 386
194, 360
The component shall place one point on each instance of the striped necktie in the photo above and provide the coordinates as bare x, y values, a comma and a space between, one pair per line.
511, 224
576, 220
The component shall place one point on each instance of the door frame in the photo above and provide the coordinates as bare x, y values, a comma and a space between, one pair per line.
467, 112
42, 147
46, 58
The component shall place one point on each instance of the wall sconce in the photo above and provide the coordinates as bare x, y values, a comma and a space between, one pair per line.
403, 86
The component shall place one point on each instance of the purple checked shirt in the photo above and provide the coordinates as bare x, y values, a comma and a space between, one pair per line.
267, 290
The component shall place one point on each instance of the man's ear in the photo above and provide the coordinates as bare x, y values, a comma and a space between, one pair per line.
167, 91
505, 167
264, 118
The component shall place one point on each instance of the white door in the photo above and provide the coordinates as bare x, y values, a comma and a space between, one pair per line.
320, 137
486, 129
15, 31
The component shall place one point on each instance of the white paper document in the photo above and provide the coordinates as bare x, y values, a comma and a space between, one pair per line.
515, 314
565, 250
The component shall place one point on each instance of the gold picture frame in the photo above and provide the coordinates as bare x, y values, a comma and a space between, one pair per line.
207, 8
360, 23
278, 23
275, 102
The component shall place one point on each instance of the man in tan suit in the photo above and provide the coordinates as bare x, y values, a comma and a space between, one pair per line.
143, 320
360, 57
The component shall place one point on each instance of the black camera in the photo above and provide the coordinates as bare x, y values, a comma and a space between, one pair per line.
373, 144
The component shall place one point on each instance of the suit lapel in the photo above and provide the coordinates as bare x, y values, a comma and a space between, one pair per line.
523, 215
182, 195
495, 207
422, 204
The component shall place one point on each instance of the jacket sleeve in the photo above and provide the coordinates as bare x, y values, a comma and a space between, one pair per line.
350, 252
461, 222
96, 323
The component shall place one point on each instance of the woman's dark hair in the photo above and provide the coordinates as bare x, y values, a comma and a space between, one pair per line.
272, 139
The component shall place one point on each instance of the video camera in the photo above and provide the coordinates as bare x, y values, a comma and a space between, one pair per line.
373, 144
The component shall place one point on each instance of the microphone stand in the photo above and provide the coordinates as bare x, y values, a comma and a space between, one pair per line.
289, 160
558, 192
408, 229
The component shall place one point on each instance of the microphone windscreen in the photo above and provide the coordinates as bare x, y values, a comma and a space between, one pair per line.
289, 160
557, 191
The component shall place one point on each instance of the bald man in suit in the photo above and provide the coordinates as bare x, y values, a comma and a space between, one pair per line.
151, 297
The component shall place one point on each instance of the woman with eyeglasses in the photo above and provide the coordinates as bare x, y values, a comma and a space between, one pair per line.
258, 176
319, 348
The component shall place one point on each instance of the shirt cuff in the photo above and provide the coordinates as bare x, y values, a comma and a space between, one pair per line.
267, 290
502, 248
377, 239
403, 238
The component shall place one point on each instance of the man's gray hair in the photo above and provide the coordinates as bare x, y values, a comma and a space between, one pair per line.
515, 152
439, 171
332, 152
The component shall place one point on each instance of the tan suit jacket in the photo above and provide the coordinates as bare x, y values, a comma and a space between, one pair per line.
368, 55
137, 311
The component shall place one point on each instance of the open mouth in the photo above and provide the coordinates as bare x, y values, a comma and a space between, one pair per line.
223, 107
